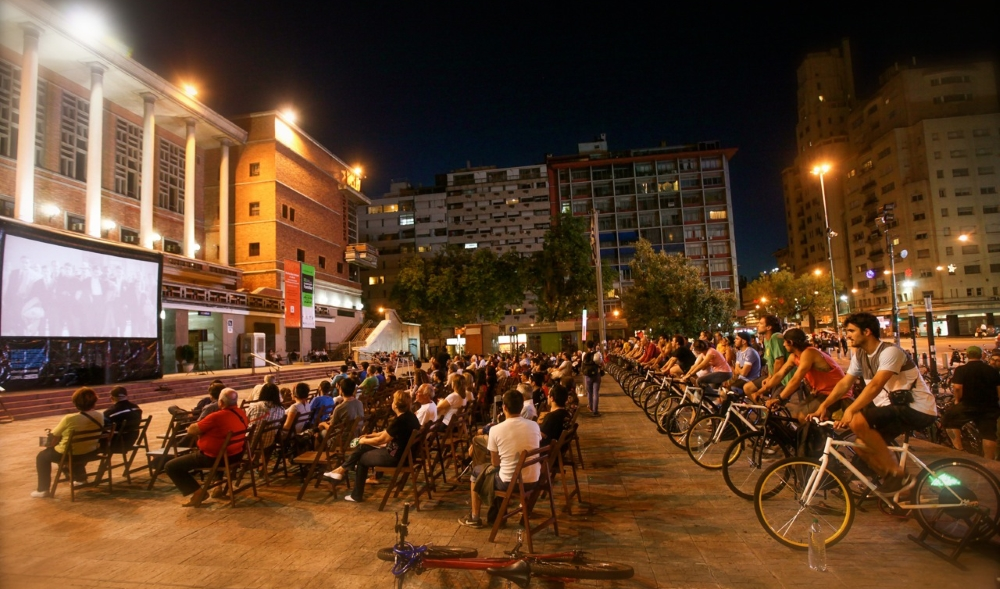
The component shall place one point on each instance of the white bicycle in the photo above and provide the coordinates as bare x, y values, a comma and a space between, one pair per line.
954, 500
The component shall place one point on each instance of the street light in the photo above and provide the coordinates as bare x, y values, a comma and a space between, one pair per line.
820, 170
844, 298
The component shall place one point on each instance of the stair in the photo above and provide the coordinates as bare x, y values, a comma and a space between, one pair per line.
31, 404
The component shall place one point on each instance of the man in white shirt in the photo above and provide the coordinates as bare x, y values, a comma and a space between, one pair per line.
506, 442
895, 399
428, 410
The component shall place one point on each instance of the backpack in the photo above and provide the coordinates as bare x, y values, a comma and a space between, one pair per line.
590, 368
812, 439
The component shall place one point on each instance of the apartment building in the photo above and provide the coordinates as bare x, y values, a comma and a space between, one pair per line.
928, 143
678, 198
99, 153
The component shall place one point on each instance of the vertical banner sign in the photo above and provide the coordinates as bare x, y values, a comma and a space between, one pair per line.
308, 310
583, 342
293, 295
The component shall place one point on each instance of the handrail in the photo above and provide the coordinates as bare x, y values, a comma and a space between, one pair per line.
253, 365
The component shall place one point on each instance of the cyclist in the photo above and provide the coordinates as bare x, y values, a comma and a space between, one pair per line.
681, 358
895, 399
775, 356
747, 360
719, 370
976, 387
814, 366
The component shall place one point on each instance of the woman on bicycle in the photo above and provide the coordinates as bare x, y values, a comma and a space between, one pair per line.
714, 362
816, 368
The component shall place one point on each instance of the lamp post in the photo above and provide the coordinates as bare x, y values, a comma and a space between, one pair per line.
820, 171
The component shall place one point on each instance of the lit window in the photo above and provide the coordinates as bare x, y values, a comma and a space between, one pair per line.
471, 246
717, 215
406, 219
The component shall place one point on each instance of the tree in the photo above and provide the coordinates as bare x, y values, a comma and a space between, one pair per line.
491, 283
668, 296
562, 275
785, 295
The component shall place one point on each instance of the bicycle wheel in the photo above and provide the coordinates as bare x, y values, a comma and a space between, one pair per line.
679, 421
663, 409
388, 555
652, 400
581, 570
965, 484
747, 457
706, 444
778, 502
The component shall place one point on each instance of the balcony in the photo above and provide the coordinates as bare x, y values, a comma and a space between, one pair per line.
361, 254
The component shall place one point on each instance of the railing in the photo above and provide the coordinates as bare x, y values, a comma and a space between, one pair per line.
253, 365
229, 298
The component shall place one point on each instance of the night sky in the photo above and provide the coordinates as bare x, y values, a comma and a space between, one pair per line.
408, 90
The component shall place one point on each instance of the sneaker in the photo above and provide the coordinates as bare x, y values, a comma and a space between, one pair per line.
471, 522
79, 483
351, 499
893, 484
334, 474
39, 494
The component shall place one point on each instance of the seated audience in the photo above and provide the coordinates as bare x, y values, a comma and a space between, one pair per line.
87, 420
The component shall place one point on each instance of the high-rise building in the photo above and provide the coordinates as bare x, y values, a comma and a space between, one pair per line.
825, 98
677, 198
927, 143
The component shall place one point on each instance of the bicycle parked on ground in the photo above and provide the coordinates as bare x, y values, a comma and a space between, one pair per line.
954, 500
516, 566
710, 436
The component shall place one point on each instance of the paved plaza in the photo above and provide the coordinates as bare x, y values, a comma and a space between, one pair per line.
646, 504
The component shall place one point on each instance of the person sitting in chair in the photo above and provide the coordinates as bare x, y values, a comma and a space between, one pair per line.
87, 421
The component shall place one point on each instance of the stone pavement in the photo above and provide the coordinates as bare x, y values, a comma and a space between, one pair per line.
648, 505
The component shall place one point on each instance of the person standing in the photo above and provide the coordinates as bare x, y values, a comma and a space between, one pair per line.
976, 386
593, 363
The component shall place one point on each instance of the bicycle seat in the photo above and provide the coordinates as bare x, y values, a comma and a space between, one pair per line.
519, 573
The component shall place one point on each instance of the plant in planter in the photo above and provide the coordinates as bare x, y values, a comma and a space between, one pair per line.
185, 358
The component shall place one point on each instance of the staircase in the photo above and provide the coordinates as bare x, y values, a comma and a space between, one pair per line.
32, 404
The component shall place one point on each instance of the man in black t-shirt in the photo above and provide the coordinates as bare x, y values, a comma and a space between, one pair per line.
681, 358
126, 416
976, 386
555, 421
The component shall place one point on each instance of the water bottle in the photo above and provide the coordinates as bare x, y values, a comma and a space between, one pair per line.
817, 547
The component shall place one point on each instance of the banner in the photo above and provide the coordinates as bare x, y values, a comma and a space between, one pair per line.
293, 295
308, 310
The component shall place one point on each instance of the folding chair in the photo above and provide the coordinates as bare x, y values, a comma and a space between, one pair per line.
327, 457
527, 498
102, 455
157, 459
128, 442
230, 470
561, 456
455, 439
269, 434
410, 465
434, 454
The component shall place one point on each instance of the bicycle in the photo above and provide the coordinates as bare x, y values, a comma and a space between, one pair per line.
954, 500
516, 566
711, 435
753, 452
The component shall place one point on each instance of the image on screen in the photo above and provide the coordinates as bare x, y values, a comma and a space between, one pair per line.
55, 291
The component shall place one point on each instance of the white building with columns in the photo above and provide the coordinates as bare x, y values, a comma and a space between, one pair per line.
122, 154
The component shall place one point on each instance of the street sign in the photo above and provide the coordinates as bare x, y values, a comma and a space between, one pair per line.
512, 329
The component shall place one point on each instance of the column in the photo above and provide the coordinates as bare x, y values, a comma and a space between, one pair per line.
24, 179
190, 158
224, 201
95, 154
148, 175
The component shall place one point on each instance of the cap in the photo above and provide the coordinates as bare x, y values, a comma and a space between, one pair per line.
745, 336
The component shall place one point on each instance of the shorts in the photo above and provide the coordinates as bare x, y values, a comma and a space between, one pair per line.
892, 421
985, 419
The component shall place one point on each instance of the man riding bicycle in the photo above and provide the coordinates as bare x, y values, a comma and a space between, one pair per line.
895, 399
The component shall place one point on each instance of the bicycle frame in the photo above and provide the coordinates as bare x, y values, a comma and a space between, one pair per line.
731, 410
830, 449
484, 563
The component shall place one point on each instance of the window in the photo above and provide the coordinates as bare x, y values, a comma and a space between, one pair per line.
884, 153
923, 253
255, 209
254, 249
73, 136
993, 248
859, 252
956, 134
322, 262
958, 153
959, 172
172, 247
471, 246
406, 219
949, 251
340, 267
963, 191
973, 269
916, 198
970, 249
10, 97
980, 132
944, 213
300, 255
75, 223
284, 211
920, 236
991, 210
984, 170
888, 187
924, 273
717, 215
255, 168
128, 158
940, 173
922, 216
171, 177
965, 211
129, 236
867, 165
988, 190
952, 98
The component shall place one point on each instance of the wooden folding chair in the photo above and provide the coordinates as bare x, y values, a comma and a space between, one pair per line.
157, 459
527, 497
410, 465
269, 433
328, 456
455, 439
561, 456
64, 470
128, 442
231, 470
434, 454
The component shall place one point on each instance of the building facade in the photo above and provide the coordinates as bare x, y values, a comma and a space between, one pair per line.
93, 143
677, 198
